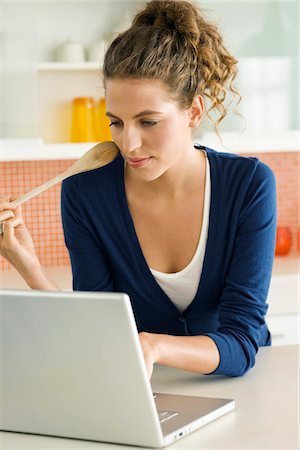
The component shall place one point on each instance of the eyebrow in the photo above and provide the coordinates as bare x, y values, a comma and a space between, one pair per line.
147, 112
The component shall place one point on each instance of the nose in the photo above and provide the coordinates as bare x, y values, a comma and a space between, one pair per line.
131, 140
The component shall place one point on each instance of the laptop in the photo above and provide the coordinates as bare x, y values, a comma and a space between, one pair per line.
71, 365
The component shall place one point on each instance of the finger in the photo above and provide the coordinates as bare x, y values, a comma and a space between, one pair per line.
17, 209
6, 204
9, 228
6, 214
7, 208
8, 201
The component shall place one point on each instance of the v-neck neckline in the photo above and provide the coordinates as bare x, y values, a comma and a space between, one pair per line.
137, 252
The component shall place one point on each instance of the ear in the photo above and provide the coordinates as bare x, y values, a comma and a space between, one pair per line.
196, 111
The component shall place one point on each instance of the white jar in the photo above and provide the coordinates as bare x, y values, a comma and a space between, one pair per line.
70, 51
96, 51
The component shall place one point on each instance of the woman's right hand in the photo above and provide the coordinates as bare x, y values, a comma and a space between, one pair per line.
16, 244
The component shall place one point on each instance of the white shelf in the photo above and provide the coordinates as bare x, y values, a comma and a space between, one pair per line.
63, 66
29, 149
285, 141
34, 150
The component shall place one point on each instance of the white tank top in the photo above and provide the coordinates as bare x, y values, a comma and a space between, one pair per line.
181, 287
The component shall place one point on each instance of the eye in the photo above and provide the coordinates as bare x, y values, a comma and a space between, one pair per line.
115, 124
149, 123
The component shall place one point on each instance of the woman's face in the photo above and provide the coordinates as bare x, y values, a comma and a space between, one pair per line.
152, 132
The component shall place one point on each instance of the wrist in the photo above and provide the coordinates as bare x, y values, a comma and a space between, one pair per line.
156, 346
150, 346
37, 278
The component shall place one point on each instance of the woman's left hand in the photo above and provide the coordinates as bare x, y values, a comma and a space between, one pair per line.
150, 350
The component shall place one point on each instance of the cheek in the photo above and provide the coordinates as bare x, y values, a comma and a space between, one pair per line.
116, 135
174, 131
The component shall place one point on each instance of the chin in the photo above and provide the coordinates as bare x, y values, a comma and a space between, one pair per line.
147, 177
155, 175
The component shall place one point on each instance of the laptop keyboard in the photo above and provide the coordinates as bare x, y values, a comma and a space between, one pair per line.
166, 415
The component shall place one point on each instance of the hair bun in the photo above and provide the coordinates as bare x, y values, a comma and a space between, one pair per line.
171, 41
177, 17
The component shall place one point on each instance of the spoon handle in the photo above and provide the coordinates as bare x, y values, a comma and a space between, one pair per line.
98, 156
38, 190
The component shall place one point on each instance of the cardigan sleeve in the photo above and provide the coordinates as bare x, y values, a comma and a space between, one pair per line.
242, 305
90, 268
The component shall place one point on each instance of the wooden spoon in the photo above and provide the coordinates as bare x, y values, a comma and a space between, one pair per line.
98, 156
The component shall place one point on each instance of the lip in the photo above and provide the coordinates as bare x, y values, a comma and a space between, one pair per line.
138, 162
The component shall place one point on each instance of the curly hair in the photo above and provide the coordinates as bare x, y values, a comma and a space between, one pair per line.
171, 41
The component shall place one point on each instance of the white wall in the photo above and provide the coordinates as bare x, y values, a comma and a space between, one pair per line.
31, 31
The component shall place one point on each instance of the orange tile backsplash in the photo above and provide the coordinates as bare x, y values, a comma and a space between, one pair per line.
42, 213
286, 169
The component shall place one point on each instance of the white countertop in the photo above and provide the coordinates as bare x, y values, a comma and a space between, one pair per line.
266, 414
283, 296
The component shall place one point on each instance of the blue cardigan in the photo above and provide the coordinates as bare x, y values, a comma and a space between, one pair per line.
230, 303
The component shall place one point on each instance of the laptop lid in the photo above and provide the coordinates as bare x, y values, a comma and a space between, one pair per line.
71, 365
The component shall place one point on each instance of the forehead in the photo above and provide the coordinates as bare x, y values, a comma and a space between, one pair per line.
137, 94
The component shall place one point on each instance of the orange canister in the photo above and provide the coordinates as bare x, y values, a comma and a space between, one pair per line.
84, 120
283, 241
103, 128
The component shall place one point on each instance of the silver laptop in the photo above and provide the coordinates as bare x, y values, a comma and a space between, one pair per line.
71, 365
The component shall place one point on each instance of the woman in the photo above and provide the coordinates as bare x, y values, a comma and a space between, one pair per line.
187, 232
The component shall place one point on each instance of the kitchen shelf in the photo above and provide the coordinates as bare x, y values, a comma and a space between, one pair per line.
270, 142
63, 66
35, 150
26, 150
